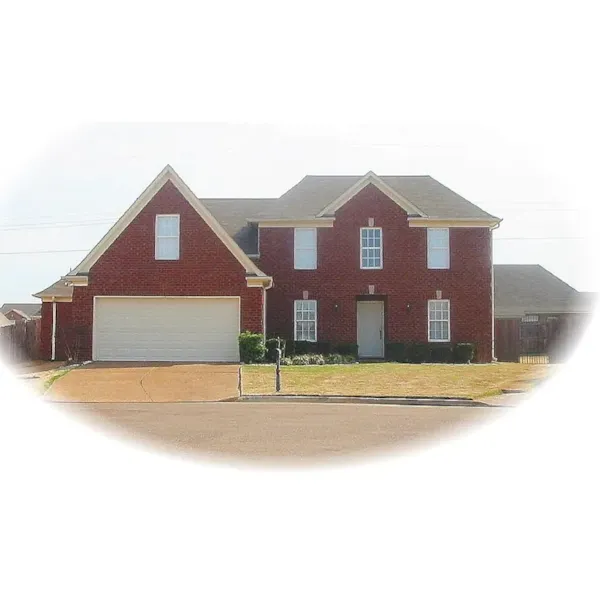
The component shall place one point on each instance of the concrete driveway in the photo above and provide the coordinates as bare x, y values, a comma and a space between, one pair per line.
147, 382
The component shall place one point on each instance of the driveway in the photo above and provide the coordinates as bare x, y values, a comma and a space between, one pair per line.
147, 382
290, 432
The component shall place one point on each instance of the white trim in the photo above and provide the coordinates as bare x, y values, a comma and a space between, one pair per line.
380, 249
429, 322
264, 282
156, 236
55, 298
445, 223
54, 317
239, 299
371, 178
167, 174
321, 222
316, 319
76, 280
493, 298
312, 248
264, 314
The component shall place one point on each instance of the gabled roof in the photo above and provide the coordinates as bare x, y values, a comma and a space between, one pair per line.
421, 194
4, 322
167, 174
59, 289
29, 309
532, 289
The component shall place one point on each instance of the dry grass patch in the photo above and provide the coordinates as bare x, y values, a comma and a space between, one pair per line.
393, 379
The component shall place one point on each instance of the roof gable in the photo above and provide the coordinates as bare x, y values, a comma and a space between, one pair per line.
29, 309
370, 179
167, 174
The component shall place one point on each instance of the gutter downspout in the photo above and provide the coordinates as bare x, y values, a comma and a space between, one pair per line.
494, 359
53, 328
264, 311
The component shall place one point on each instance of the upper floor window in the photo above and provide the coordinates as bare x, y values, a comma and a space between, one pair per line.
371, 248
438, 248
305, 320
439, 320
167, 237
305, 248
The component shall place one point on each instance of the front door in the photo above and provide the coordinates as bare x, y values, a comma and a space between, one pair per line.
369, 326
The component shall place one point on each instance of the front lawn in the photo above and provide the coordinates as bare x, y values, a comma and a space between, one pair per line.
394, 379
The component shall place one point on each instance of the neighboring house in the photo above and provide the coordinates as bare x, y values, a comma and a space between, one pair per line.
537, 314
364, 260
21, 311
4, 321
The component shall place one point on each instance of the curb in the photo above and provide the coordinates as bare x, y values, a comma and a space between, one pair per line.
403, 401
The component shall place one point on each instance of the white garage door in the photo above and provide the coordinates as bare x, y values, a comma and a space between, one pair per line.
166, 329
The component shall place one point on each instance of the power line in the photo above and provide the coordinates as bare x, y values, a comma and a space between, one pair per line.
538, 238
41, 252
55, 225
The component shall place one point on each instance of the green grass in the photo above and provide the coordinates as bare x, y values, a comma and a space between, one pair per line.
393, 379
61, 373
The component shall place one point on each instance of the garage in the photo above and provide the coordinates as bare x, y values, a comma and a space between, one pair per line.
173, 329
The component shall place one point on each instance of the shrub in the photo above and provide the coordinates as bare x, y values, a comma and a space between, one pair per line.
441, 353
334, 359
301, 359
286, 361
252, 347
271, 346
316, 359
396, 351
349, 358
464, 352
346, 348
417, 352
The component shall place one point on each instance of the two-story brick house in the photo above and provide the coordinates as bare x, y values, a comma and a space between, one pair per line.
340, 259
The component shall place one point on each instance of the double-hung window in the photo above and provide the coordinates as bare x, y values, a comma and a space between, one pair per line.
438, 248
167, 237
305, 320
371, 248
305, 248
439, 320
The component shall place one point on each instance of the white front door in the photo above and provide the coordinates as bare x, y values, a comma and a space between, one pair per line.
369, 326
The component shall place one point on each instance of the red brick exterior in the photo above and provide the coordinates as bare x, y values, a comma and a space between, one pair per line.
64, 334
404, 280
207, 268
128, 268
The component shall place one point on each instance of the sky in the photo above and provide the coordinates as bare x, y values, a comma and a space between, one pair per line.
72, 192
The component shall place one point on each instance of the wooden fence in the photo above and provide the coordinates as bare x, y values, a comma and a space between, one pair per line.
20, 341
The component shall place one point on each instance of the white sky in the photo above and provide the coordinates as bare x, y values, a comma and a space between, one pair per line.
94, 173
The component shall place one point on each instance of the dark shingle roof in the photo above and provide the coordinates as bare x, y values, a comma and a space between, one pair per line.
30, 309
59, 289
314, 192
233, 214
531, 289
